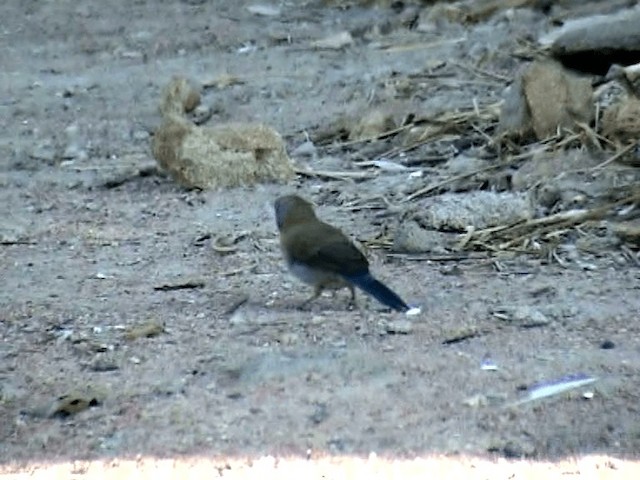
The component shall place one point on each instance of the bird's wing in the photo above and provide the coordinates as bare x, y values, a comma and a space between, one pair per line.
327, 248
340, 257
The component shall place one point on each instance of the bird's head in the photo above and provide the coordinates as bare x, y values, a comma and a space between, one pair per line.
291, 210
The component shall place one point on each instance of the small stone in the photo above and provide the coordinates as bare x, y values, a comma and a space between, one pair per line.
530, 317
76, 401
320, 413
476, 401
305, 149
402, 327
522, 316
140, 135
201, 114
459, 334
513, 450
264, 10
148, 329
607, 345
488, 365
100, 364
334, 42
289, 338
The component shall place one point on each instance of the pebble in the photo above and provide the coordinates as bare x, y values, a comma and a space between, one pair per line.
402, 327
607, 345
201, 114
305, 149
140, 135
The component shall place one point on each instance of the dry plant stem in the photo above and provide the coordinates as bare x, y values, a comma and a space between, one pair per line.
487, 137
335, 175
458, 257
567, 140
557, 221
419, 46
223, 249
17, 242
618, 155
462, 176
630, 255
445, 123
483, 73
238, 271
380, 136
239, 302
438, 185
365, 202
180, 286
591, 134
514, 159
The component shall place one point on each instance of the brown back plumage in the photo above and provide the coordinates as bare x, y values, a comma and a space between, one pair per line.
306, 239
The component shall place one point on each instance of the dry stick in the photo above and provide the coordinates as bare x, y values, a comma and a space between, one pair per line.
386, 165
486, 136
380, 136
445, 122
462, 176
568, 139
593, 135
456, 257
570, 217
17, 242
514, 241
557, 220
488, 231
554, 229
398, 150
180, 286
216, 247
488, 112
237, 271
615, 157
421, 45
630, 255
238, 302
345, 176
482, 72
361, 204
452, 83
436, 186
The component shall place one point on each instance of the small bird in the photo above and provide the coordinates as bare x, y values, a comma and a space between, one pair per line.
322, 256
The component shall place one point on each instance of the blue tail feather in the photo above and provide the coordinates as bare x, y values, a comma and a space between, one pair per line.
378, 290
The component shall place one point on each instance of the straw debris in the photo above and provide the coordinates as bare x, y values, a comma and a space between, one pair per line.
225, 155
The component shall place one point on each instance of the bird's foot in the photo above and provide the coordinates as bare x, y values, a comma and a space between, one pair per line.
353, 305
306, 305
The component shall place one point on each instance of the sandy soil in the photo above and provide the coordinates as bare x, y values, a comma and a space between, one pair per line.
239, 370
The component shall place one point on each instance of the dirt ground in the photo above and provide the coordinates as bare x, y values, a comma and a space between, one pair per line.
240, 370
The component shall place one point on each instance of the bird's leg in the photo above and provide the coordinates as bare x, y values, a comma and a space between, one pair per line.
352, 302
317, 291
